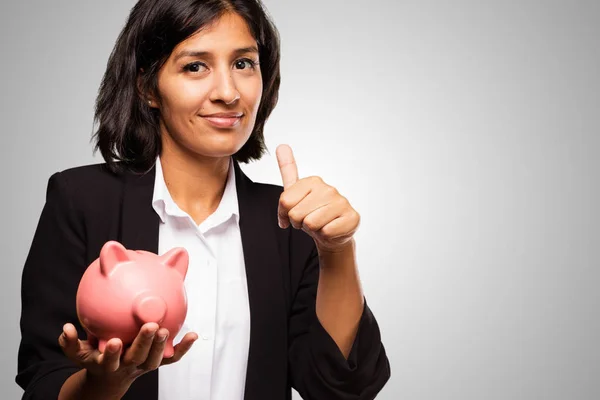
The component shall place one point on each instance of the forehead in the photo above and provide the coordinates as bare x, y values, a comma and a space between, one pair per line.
228, 32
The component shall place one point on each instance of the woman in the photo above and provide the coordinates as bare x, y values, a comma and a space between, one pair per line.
274, 296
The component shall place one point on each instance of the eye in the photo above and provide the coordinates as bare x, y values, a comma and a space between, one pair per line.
195, 67
245, 62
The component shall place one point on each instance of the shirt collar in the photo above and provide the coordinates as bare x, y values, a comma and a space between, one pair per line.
165, 206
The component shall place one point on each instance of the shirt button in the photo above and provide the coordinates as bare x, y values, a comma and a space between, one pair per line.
205, 337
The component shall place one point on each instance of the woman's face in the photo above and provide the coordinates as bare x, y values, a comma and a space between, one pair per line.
210, 89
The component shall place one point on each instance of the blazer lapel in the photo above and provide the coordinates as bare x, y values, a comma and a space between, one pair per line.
266, 375
139, 231
139, 221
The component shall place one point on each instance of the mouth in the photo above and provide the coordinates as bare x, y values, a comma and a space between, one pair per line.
223, 120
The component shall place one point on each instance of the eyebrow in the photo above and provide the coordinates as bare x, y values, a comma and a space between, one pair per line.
198, 53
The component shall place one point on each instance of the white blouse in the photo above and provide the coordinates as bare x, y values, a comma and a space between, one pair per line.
218, 308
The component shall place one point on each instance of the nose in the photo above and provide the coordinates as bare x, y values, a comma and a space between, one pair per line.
149, 308
224, 88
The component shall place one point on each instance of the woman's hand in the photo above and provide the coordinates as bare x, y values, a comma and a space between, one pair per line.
322, 212
315, 207
116, 371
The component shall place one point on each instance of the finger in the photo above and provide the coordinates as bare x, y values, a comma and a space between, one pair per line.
319, 217
290, 198
341, 227
287, 165
155, 355
181, 348
69, 341
318, 198
303, 209
138, 352
110, 359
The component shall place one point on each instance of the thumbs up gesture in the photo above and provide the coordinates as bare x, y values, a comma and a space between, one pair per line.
315, 207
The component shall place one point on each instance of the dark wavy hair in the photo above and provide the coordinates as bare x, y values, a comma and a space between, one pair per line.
128, 134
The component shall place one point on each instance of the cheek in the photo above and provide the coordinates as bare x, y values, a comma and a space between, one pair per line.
183, 98
252, 92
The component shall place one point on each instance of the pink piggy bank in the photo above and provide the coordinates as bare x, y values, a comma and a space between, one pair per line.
124, 289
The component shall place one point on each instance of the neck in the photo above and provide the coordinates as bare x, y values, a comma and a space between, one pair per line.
196, 183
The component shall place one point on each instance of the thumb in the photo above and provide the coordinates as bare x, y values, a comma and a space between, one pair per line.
69, 341
287, 165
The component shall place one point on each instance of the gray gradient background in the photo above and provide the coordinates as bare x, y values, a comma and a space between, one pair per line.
466, 133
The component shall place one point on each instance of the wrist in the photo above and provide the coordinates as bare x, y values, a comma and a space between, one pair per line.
98, 387
342, 258
343, 250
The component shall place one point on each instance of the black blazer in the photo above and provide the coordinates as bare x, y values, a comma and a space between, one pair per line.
87, 206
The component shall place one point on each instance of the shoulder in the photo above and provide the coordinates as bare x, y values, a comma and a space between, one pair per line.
89, 176
85, 186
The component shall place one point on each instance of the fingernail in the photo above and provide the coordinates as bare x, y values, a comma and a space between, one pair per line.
162, 338
150, 334
112, 347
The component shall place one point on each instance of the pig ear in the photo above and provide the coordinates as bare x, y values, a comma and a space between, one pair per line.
112, 253
177, 258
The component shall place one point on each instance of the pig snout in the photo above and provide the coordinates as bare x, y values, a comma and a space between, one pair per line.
149, 308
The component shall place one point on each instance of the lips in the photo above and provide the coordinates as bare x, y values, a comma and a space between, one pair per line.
223, 120
229, 114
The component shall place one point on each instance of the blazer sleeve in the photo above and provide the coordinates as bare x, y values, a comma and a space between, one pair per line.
318, 368
50, 278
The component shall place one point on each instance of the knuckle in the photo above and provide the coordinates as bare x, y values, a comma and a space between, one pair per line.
341, 202
176, 357
327, 231
153, 366
133, 362
310, 223
331, 191
110, 367
356, 217
294, 215
136, 373
285, 202
135, 359
316, 179
150, 366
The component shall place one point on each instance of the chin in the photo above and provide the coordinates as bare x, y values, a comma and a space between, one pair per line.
219, 148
